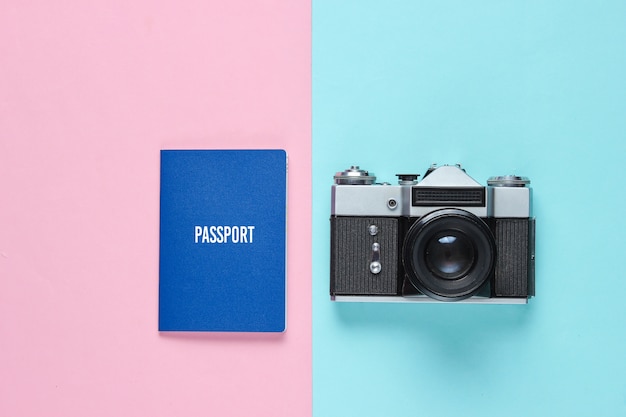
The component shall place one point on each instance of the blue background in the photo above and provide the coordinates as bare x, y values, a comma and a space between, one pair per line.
532, 88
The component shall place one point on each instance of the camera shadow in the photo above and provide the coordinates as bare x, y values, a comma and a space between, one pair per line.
459, 334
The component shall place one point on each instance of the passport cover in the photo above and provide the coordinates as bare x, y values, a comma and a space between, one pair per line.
222, 259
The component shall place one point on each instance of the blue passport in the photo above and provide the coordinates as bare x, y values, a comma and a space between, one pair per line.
222, 259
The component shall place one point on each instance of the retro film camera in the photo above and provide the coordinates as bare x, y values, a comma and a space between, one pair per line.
444, 238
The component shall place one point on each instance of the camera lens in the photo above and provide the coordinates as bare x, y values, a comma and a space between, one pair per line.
449, 254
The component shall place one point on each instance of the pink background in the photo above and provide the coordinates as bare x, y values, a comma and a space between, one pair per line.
89, 94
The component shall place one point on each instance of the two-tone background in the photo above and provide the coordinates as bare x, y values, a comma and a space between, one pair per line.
90, 92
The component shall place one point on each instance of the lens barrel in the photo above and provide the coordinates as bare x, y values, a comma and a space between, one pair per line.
449, 254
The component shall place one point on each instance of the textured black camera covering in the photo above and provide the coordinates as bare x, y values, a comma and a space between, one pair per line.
351, 254
514, 267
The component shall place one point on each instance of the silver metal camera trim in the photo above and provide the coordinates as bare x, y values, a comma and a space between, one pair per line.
424, 299
508, 202
508, 198
367, 200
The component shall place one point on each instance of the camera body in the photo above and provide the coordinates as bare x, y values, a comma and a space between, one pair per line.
443, 238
